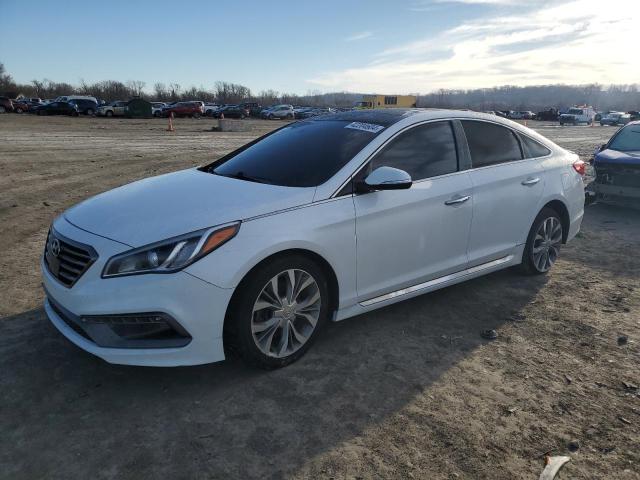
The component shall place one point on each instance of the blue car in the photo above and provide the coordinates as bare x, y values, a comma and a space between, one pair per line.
617, 167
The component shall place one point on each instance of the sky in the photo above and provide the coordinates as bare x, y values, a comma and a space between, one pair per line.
374, 46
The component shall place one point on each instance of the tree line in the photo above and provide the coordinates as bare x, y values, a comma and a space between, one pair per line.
536, 98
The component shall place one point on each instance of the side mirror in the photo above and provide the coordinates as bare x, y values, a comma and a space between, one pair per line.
602, 147
386, 178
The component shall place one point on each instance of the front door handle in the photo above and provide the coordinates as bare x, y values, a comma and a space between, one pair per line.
530, 181
457, 200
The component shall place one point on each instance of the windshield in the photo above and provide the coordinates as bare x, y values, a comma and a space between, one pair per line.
575, 111
627, 139
302, 154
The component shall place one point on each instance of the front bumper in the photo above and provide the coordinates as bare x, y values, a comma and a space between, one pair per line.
198, 307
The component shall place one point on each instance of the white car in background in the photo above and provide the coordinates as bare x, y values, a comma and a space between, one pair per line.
156, 108
67, 98
577, 115
318, 221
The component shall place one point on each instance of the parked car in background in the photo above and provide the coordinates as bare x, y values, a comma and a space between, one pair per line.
577, 115
548, 115
156, 108
253, 109
259, 250
278, 112
615, 118
66, 98
634, 115
522, 115
25, 105
86, 107
57, 108
211, 108
117, 108
314, 112
184, 109
617, 167
6, 105
230, 111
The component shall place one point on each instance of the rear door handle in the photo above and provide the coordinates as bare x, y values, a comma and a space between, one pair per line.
457, 200
530, 181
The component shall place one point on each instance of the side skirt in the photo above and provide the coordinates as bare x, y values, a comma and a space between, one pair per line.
429, 286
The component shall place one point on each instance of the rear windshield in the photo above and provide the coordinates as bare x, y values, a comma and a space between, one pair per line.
302, 154
627, 139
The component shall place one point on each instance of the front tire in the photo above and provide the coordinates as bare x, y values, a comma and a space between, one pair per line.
543, 243
90, 111
109, 113
277, 312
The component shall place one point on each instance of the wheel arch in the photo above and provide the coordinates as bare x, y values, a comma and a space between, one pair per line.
328, 270
561, 209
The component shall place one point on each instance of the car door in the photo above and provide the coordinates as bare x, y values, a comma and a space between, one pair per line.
507, 189
118, 108
56, 108
406, 237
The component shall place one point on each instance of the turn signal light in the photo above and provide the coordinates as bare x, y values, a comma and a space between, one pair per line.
580, 167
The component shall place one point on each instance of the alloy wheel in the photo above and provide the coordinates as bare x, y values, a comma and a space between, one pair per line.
286, 313
546, 244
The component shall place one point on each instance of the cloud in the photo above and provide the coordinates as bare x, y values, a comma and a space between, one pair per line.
359, 36
571, 42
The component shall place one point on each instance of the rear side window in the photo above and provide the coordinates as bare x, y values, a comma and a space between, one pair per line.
533, 149
490, 144
424, 151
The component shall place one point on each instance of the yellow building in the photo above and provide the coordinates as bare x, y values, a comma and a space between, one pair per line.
387, 101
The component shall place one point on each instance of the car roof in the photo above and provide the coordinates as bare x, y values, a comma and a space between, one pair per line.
385, 117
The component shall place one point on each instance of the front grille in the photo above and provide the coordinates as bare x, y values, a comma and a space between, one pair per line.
66, 259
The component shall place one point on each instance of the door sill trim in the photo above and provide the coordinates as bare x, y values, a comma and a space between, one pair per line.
437, 281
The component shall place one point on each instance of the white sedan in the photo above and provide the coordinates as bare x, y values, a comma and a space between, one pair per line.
317, 221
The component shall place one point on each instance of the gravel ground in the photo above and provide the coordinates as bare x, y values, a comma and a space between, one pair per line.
409, 391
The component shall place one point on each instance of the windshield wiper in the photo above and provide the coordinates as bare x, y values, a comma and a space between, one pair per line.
241, 176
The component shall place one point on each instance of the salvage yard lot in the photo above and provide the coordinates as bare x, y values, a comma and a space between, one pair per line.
409, 391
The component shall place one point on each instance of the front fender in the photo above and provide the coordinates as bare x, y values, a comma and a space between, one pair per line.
324, 228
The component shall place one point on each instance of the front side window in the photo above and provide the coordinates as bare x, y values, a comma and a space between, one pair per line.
490, 144
424, 151
302, 154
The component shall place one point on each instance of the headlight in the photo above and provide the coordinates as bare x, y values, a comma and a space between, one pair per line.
170, 255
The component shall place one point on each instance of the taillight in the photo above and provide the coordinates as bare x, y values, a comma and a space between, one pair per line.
580, 167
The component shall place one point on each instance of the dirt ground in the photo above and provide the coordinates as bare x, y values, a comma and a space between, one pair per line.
409, 391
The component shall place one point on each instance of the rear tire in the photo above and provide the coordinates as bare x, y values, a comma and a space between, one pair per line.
90, 111
3, 110
270, 331
543, 243
109, 113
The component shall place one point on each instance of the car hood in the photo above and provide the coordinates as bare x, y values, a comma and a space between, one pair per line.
168, 205
614, 156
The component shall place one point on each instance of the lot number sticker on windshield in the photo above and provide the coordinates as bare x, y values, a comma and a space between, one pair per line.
367, 127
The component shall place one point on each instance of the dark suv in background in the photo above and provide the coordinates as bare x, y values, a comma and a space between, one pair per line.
57, 108
87, 107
